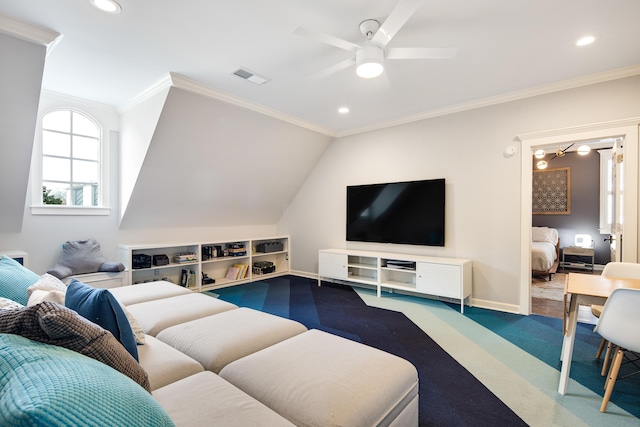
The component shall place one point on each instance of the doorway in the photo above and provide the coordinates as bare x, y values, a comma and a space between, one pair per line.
627, 129
575, 221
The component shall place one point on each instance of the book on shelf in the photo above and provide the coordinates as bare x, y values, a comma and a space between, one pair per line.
185, 277
244, 268
232, 273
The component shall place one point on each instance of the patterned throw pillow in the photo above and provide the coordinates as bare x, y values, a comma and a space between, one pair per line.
47, 288
15, 279
51, 323
46, 385
136, 328
47, 282
39, 296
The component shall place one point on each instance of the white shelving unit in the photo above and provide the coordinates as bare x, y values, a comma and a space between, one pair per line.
21, 256
440, 277
212, 258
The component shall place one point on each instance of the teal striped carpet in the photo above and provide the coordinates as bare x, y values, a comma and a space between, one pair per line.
515, 357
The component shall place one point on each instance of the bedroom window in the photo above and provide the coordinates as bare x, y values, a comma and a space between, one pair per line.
71, 155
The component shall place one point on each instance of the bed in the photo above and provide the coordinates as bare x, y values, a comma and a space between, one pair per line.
545, 251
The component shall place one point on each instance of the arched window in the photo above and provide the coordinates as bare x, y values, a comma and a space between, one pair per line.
71, 159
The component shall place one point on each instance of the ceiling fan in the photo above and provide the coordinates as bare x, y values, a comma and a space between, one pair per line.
369, 58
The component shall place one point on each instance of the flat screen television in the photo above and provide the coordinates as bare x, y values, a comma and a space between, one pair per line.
409, 213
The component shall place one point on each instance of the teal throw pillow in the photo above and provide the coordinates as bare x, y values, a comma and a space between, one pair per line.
46, 385
101, 307
15, 279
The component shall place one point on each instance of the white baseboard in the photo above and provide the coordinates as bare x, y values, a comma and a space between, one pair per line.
493, 305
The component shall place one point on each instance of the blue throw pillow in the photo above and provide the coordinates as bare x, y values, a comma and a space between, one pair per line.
15, 279
101, 307
46, 385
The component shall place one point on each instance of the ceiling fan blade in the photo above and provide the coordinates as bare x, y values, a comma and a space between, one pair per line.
420, 53
332, 70
398, 17
326, 39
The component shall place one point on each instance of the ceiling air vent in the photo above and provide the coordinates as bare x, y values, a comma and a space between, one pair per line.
250, 76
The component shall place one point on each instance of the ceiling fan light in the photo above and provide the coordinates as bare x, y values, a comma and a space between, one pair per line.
369, 62
539, 154
583, 150
542, 164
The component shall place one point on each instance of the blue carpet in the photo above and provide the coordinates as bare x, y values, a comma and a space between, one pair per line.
449, 394
541, 337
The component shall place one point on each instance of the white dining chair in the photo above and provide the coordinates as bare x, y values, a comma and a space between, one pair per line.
619, 324
626, 270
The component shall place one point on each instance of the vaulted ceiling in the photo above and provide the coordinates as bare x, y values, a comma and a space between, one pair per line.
505, 48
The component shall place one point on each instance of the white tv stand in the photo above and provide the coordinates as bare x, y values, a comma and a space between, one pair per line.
434, 276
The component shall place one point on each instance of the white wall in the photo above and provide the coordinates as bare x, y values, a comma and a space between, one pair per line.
483, 187
212, 171
21, 66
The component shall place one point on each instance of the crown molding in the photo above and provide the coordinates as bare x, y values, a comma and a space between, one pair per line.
29, 32
182, 82
616, 74
159, 86
594, 127
190, 85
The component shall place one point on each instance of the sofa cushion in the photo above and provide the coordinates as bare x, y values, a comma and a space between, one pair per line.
154, 316
164, 364
54, 324
215, 341
320, 379
46, 385
100, 307
143, 292
15, 279
205, 399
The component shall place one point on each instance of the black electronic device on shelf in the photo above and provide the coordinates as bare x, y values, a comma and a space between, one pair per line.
267, 247
160, 259
139, 261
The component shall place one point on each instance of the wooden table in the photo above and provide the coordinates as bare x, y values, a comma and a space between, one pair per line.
584, 289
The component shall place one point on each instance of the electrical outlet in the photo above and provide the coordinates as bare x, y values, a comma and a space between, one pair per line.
156, 272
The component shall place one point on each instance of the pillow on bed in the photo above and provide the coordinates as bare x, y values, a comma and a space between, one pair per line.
544, 234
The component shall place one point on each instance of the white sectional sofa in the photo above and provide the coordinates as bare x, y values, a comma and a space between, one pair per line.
251, 368
197, 361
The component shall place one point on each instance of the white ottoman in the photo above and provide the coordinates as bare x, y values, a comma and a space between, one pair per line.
320, 379
142, 292
156, 315
215, 341
205, 399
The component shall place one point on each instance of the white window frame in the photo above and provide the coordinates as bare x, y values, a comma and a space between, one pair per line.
105, 118
606, 191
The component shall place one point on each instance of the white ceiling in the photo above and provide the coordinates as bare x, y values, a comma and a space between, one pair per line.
506, 47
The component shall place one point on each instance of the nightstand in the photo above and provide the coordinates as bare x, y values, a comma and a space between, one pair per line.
578, 251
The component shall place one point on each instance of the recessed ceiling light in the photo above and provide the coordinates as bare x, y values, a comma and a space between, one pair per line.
109, 6
585, 41
343, 110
